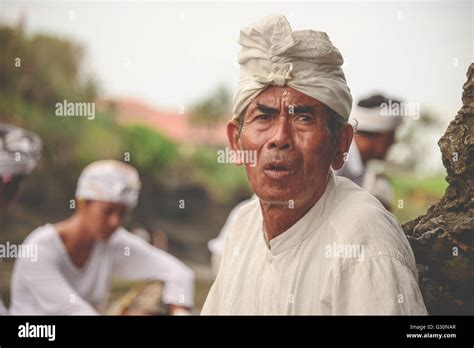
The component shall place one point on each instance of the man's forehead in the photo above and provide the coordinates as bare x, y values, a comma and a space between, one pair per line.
273, 96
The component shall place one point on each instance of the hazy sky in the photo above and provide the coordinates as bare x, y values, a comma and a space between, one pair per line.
172, 53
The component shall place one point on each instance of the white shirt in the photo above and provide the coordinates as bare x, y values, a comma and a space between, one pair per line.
216, 245
353, 168
54, 285
302, 271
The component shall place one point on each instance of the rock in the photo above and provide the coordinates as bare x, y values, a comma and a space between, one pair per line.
443, 238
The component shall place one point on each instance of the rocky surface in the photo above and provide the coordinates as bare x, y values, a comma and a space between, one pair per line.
443, 238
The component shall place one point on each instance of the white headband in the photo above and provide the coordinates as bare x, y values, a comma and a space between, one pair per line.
306, 60
372, 120
109, 181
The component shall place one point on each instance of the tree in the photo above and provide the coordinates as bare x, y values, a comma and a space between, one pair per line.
212, 109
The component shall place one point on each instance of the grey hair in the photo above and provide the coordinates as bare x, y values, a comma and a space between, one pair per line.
335, 123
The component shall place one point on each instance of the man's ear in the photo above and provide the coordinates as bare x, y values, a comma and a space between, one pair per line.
346, 133
234, 139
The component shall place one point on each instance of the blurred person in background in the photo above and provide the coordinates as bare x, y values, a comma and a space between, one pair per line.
375, 134
159, 239
216, 245
379, 185
20, 151
78, 257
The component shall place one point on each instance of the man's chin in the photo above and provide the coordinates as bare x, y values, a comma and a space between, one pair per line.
282, 196
105, 236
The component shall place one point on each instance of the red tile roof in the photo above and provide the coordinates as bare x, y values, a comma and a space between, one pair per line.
172, 124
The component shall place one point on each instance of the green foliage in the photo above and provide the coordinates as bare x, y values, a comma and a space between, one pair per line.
42, 69
98, 140
405, 183
222, 179
213, 109
148, 149
416, 194
48, 70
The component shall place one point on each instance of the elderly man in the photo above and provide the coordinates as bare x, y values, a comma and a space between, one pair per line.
312, 243
77, 257
19, 152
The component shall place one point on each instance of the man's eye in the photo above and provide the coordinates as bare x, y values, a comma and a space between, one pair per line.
304, 118
263, 117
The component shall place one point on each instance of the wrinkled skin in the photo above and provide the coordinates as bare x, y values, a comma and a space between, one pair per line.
288, 131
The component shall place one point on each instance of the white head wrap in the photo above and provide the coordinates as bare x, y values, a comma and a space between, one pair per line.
306, 60
372, 120
109, 181
20, 150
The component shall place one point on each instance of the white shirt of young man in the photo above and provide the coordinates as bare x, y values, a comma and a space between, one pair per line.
54, 285
347, 255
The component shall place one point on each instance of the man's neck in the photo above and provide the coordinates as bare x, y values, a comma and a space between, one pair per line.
73, 234
279, 217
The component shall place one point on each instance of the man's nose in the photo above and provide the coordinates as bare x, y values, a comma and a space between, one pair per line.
282, 136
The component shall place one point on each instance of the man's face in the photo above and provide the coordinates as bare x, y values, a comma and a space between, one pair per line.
387, 140
287, 129
102, 218
380, 144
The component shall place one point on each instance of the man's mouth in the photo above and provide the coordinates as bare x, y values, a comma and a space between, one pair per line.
277, 170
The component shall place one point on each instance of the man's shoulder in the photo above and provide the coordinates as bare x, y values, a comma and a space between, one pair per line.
121, 237
245, 220
45, 245
358, 218
351, 201
248, 214
249, 207
41, 235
